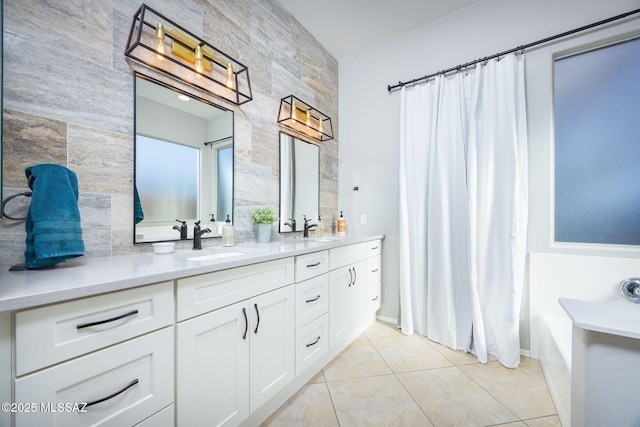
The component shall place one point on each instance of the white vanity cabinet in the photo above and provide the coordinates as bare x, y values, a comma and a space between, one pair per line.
211, 345
233, 359
374, 272
348, 291
96, 360
312, 308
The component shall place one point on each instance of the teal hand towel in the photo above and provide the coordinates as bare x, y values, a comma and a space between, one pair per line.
139, 213
53, 226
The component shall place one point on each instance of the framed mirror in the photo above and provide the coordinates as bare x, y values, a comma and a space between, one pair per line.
183, 168
299, 182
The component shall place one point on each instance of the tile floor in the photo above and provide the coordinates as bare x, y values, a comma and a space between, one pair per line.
387, 379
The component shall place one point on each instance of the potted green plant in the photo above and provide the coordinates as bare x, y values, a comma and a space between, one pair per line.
263, 218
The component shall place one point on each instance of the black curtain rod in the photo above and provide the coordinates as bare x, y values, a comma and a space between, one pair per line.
391, 88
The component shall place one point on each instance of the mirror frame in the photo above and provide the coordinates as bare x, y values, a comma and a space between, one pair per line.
299, 226
193, 96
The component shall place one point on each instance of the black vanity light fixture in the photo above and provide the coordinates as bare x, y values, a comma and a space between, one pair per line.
303, 118
163, 45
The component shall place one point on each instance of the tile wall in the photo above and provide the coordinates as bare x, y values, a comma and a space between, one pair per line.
68, 99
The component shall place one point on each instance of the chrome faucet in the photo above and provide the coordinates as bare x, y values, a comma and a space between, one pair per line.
182, 229
197, 235
307, 227
291, 224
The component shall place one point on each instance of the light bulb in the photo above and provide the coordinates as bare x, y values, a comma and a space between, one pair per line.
308, 118
230, 76
320, 126
159, 45
199, 58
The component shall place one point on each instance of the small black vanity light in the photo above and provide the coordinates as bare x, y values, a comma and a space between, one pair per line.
163, 45
303, 118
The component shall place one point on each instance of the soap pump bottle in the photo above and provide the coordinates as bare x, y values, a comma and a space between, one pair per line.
227, 233
319, 228
213, 225
342, 225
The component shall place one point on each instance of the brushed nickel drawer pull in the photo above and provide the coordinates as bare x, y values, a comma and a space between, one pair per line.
113, 319
374, 248
315, 264
111, 396
374, 299
313, 343
373, 271
313, 299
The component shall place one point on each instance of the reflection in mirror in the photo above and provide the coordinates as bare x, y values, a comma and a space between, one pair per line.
299, 182
183, 163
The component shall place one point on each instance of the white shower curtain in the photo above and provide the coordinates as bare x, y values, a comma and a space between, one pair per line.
463, 209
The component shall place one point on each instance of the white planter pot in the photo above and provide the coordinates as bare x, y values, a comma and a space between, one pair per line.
263, 233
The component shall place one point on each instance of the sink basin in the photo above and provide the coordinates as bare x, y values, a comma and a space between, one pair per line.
210, 257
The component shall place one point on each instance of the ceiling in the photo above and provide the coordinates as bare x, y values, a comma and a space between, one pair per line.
347, 27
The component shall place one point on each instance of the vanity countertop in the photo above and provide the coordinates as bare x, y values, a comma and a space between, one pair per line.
81, 277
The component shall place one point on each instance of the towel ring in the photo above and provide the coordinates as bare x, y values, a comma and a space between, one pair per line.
5, 201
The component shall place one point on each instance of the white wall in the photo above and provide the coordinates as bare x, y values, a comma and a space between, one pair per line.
369, 115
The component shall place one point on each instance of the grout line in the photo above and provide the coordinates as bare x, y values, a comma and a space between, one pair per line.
333, 405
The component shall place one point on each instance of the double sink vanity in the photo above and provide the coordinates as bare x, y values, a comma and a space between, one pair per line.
215, 337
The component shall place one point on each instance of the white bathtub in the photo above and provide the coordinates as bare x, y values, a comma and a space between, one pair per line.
555, 360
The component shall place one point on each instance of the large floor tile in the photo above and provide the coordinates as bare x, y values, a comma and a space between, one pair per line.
380, 329
450, 398
522, 390
317, 378
409, 353
457, 357
311, 406
375, 401
552, 421
358, 360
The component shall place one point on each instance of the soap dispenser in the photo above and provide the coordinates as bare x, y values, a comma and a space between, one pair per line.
342, 225
215, 226
320, 227
228, 233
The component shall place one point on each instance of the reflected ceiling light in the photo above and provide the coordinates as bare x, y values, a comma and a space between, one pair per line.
163, 45
183, 97
305, 119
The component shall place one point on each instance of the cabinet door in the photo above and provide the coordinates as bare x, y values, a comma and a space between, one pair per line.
213, 368
359, 293
339, 311
272, 344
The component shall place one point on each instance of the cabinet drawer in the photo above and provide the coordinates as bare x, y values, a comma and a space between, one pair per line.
310, 265
374, 297
312, 299
140, 369
164, 418
312, 342
374, 269
339, 257
374, 247
52, 334
207, 292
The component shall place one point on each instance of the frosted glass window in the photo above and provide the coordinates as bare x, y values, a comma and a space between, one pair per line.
597, 145
166, 179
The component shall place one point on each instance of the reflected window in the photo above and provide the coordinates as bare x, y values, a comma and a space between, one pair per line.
225, 182
168, 188
597, 150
